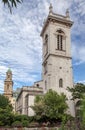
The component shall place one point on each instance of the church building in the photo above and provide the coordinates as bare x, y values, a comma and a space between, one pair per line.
56, 58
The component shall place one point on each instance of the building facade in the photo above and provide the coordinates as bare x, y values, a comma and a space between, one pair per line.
26, 98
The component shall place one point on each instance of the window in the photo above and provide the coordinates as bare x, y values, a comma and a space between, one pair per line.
45, 67
60, 40
46, 43
61, 83
8, 87
37, 85
45, 85
8, 76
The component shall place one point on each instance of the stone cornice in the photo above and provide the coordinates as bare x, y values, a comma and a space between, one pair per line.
30, 91
60, 56
58, 19
8, 81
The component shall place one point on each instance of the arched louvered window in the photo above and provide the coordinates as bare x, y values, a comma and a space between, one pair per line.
61, 83
60, 40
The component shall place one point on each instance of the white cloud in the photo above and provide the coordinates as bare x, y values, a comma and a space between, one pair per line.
78, 54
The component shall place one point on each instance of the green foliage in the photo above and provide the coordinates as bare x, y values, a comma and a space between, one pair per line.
50, 107
21, 120
25, 123
11, 3
77, 91
55, 105
6, 117
17, 124
5, 103
78, 95
83, 111
21, 117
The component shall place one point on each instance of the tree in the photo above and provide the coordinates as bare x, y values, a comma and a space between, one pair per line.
5, 103
78, 93
11, 3
52, 107
21, 120
83, 111
6, 115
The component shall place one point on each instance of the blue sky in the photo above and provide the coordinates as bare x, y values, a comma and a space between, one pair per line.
21, 44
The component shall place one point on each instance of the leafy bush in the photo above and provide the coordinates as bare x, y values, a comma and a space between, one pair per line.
17, 124
25, 123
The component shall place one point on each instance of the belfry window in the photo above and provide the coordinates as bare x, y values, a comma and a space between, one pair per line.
8, 76
60, 40
61, 83
8, 87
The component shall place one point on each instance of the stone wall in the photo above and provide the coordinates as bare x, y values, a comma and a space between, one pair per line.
40, 128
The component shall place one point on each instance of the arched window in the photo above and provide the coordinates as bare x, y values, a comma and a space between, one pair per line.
61, 83
8, 76
46, 43
45, 68
45, 85
60, 40
7, 87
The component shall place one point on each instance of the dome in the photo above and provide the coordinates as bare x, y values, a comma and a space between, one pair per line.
9, 70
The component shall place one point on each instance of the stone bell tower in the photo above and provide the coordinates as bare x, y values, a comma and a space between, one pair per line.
8, 84
57, 66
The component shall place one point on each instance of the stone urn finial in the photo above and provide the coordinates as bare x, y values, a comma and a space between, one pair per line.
50, 8
67, 13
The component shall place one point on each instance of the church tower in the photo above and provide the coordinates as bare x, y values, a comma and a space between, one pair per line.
8, 84
57, 66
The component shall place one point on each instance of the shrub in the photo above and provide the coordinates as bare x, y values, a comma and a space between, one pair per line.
17, 124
